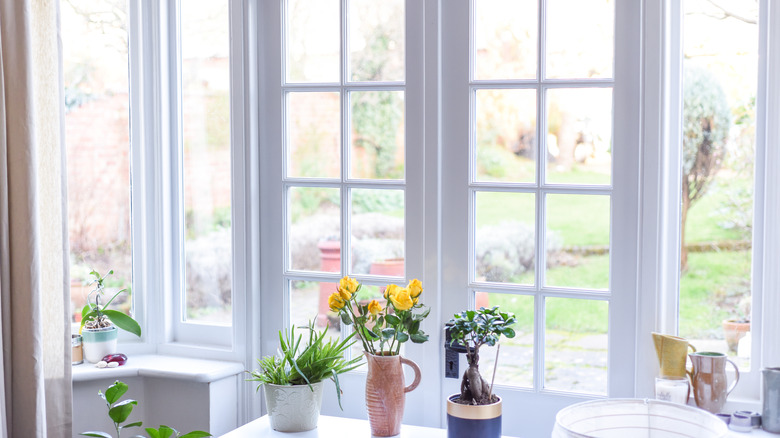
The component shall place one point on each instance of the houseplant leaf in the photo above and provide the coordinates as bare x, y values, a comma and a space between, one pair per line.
122, 410
115, 392
97, 434
196, 434
123, 321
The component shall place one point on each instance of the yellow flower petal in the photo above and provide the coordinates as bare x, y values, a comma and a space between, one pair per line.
391, 290
401, 300
415, 288
348, 284
374, 307
335, 302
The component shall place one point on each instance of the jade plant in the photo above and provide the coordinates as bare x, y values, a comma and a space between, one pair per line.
119, 411
473, 329
96, 316
316, 360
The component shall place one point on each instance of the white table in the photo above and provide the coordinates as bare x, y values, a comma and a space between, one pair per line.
336, 427
330, 427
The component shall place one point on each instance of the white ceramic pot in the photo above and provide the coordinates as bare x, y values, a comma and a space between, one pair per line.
99, 342
293, 408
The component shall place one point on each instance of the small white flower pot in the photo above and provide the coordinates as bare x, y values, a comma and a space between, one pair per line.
293, 408
99, 342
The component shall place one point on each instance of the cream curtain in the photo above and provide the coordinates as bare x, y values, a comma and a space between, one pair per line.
35, 354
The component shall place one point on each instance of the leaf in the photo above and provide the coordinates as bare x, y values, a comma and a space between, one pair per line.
392, 320
196, 434
388, 333
136, 424
161, 432
401, 337
122, 410
152, 432
115, 392
419, 338
509, 332
96, 434
345, 318
123, 321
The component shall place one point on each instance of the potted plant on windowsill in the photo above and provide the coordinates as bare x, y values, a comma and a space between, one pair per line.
99, 323
382, 330
476, 411
293, 379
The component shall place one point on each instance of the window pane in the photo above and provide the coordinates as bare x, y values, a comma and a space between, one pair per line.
578, 241
309, 302
376, 40
313, 39
504, 239
580, 38
516, 357
719, 105
505, 39
575, 340
315, 229
205, 89
377, 145
579, 136
314, 135
94, 42
506, 135
377, 232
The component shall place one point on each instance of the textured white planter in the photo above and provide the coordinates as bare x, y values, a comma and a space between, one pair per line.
293, 408
99, 342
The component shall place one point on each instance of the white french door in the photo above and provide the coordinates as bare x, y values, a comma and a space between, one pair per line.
540, 175
340, 132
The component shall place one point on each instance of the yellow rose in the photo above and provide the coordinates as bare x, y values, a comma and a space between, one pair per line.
374, 307
349, 285
415, 288
345, 295
335, 302
401, 299
391, 290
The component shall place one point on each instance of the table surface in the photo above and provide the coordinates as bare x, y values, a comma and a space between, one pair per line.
330, 427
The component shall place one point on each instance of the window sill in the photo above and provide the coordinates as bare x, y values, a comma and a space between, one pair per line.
169, 367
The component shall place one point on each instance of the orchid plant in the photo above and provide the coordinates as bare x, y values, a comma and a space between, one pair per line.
382, 329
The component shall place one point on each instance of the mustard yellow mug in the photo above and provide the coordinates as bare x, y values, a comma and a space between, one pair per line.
672, 354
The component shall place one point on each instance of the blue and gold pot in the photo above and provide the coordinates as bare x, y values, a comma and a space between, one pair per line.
467, 421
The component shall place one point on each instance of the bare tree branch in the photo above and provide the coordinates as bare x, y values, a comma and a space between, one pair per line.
729, 14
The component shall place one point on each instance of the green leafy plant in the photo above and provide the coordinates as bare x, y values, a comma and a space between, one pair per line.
169, 432
119, 411
313, 362
473, 329
94, 315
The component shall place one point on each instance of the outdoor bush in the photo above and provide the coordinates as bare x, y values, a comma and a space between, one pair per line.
506, 251
367, 251
208, 269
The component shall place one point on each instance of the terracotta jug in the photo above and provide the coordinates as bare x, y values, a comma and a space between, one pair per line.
386, 393
672, 353
708, 378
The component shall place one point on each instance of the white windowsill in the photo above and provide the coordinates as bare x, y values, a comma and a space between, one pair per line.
169, 367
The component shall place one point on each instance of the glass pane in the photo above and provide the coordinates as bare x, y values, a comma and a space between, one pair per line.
97, 121
578, 241
719, 122
309, 302
505, 237
505, 39
205, 88
313, 40
377, 234
314, 135
516, 357
575, 345
580, 38
579, 136
377, 144
315, 229
506, 135
376, 40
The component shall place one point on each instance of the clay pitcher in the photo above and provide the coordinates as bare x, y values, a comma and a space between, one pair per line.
708, 378
386, 393
672, 353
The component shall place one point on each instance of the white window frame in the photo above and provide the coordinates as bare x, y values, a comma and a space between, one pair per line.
661, 196
542, 404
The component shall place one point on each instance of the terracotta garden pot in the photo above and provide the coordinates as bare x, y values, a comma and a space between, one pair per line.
733, 331
386, 393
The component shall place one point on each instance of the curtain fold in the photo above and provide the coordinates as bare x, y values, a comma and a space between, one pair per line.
35, 356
